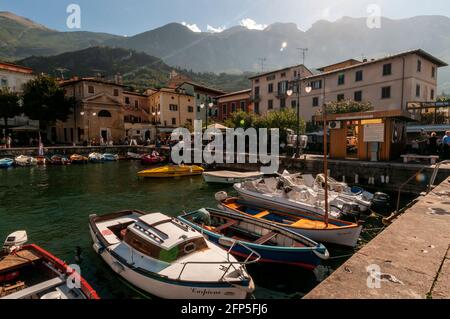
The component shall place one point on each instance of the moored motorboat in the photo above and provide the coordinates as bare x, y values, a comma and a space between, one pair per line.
96, 158
78, 159
268, 193
134, 156
107, 157
167, 258
172, 171
230, 177
59, 160
6, 162
23, 160
30, 272
336, 231
152, 159
274, 244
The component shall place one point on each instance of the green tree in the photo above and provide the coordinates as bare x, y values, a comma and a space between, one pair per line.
242, 119
284, 120
347, 106
9, 105
44, 100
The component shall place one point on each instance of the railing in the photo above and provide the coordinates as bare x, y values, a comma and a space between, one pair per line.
247, 261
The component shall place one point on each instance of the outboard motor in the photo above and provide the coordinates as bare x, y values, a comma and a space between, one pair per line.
15, 241
381, 203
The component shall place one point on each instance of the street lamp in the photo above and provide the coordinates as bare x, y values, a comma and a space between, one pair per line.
89, 125
296, 84
156, 115
202, 106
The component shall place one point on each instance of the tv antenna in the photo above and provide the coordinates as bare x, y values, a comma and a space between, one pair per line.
262, 61
303, 51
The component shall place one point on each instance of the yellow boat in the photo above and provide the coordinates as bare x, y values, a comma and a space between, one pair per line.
172, 171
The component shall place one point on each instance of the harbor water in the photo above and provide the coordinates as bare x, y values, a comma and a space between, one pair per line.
52, 204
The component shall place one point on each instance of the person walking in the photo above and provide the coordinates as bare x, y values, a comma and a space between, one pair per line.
423, 141
8, 141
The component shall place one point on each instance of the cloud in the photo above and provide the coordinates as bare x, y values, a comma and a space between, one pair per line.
214, 30
252, 25
192, 27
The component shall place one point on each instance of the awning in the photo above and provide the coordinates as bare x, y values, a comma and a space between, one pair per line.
25, 128
217, 126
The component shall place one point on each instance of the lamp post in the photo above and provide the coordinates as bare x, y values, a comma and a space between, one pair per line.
156, 115
208, 107
296, 84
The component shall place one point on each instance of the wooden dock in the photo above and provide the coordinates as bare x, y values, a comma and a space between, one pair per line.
410, 259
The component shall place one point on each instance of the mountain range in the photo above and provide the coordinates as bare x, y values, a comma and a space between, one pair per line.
239, 49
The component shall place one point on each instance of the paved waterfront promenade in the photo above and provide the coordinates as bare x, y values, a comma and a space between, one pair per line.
413, 255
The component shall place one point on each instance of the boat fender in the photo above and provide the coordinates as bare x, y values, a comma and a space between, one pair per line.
381, 199
221, 196
356, 179
343, 179
382, 179
387, 179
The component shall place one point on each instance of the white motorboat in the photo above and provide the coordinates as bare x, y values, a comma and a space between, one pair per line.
342, 191
230, 177
134, 156
23, 160
167, 258
30, 272
96, 158
267, 193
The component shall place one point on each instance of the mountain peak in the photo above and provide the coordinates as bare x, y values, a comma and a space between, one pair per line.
21, 20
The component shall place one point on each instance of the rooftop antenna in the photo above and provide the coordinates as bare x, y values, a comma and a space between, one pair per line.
303, 53
261, 62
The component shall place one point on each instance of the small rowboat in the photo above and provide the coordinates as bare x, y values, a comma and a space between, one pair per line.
273, 243
30, 272
311, 225
23, 160
230, 177
152, 159
78, 159
59, 160
167, 258
107, 157
6, 162
172, 171
41, 160
95, 158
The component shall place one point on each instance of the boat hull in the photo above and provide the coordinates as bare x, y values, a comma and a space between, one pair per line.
171, 172
212, 179
5, 163
164, 287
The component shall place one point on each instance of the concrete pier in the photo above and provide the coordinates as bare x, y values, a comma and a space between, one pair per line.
411, 258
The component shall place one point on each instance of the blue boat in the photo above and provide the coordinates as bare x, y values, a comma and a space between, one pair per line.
6, 162
110, 157
273, 243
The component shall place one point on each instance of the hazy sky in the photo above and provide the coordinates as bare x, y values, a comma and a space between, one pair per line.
128, 17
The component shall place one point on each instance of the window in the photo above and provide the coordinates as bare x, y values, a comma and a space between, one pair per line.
340, 97
433, 72
432, 94
270, 104
190, 109
4, 83
282, 87
257, 107
316, 85
358, 96
386, 92
174, 121
419, 66
116, 92
315, 101
283, 75
387, 69
127, 100
256, 81
256, 91
293, 103
198, 109
282, 103
233, 107
104, 113
417, 90
224, 109
136, 104
91, 89
359, 76
341, 79
173, 107
270, 88
270, 77
198, 96
243, 106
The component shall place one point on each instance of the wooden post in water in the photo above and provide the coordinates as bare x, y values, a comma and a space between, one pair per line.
325, 158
